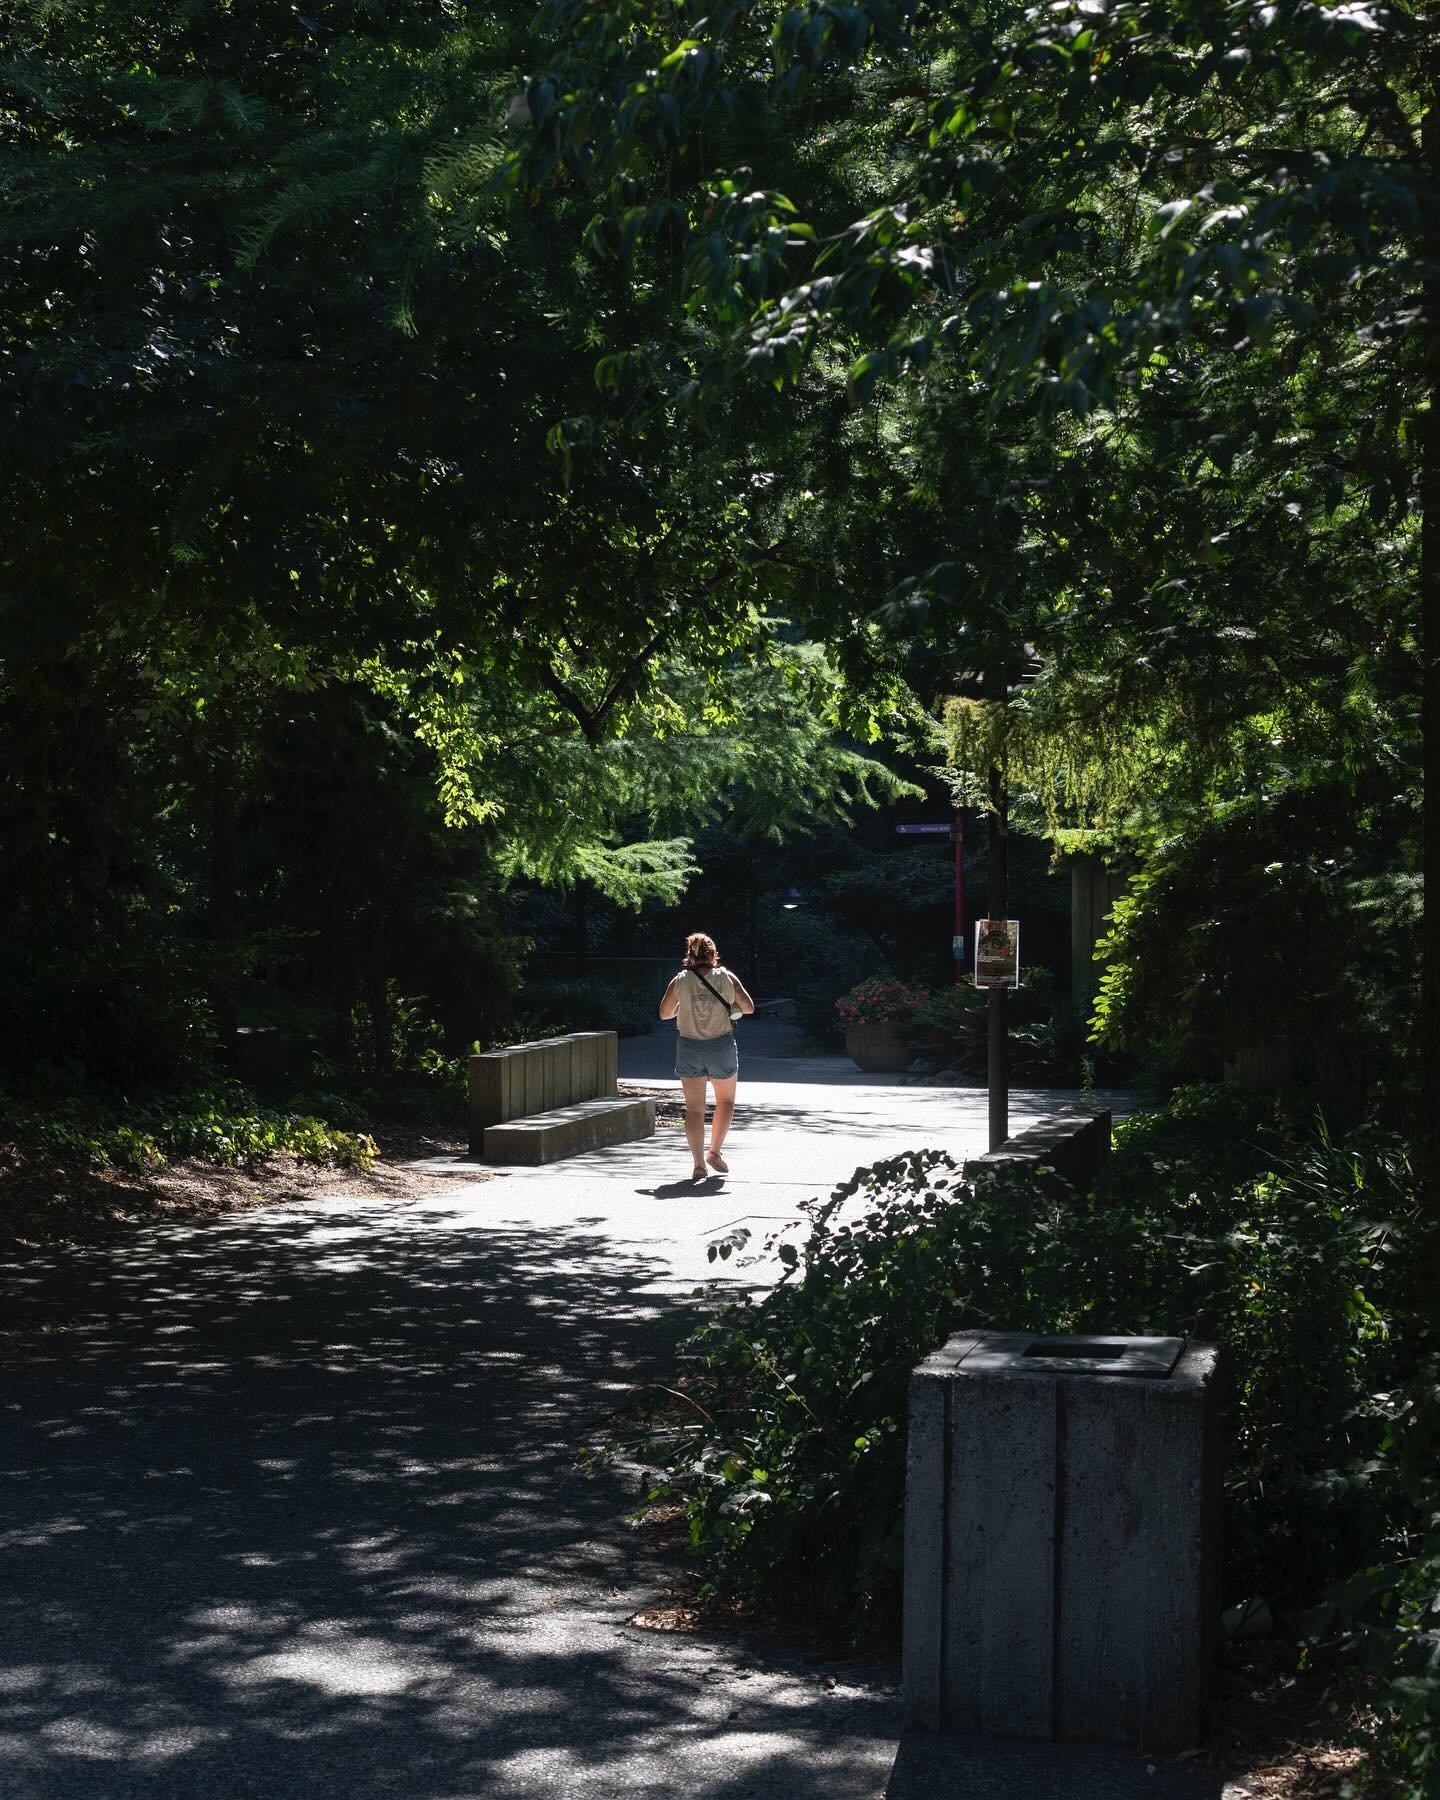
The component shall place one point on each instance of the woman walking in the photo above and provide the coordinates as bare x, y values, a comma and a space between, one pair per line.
705, 1000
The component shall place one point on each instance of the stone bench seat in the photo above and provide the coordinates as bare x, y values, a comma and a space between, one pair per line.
534, 1103
567, 1130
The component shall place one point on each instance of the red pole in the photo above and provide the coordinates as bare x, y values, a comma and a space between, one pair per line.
958, 834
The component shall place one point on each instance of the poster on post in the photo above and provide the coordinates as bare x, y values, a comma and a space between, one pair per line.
997, 953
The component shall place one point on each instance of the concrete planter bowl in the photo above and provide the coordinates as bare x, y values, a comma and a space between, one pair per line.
878, 1049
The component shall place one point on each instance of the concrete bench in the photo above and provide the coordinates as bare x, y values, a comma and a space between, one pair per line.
567, 1130
535, 1103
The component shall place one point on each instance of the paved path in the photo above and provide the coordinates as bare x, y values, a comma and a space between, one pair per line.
292, 1511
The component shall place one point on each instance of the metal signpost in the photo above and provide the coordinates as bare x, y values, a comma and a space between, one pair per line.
999, 997
996, 976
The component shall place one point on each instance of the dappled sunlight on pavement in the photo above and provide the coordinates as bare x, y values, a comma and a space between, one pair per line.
292, 1507
293, 1510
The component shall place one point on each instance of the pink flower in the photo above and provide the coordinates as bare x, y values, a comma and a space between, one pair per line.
882, 1000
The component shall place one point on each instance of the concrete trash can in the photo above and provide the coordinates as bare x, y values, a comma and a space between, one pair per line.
1062, 1538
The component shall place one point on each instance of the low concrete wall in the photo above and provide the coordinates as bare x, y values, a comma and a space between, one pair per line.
1074, 1143
523, 1079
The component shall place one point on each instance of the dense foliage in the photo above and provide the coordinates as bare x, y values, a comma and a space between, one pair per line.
1213, 1218
1046, 1038
454, 451
1096, 340
1132, 302
589, 1004
309, 645
223, 1125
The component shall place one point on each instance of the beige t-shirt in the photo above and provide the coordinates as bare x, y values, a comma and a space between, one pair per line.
700, 1014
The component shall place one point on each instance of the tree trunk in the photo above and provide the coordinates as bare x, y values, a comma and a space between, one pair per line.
752, 967
582, 928
223, 911
1429, 1146
382, 1037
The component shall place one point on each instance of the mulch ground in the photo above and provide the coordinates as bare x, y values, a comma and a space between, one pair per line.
1279, 1734
669, 1103
47, 1200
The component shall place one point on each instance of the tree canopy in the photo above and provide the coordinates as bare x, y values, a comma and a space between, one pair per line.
505, 383
456, 451
281, 368
1137, 305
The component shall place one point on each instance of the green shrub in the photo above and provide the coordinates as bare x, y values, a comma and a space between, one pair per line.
551, 1008
220, 1124
1389, 1608
812, 960
1045, 1044
1288, 913
1210, 1221
430, 1089
817, 1021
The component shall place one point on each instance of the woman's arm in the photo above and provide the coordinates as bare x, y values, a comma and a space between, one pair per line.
670, 1001
742, 999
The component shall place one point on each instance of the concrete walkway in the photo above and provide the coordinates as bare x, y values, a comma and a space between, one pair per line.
292, 1509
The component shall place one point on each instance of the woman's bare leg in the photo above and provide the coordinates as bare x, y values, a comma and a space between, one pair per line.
724, 1111
693, 1087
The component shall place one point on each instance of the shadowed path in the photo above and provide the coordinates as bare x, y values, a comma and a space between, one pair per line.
292, 1510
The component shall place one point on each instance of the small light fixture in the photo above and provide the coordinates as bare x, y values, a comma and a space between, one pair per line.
790, 899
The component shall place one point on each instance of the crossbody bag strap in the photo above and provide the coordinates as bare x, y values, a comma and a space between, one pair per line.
727, 1004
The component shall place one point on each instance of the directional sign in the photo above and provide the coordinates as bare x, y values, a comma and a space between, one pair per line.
943, 830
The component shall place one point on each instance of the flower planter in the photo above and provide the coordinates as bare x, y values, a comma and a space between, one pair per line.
878, 1049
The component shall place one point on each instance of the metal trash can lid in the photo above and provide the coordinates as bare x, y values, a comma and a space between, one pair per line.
1026, 1352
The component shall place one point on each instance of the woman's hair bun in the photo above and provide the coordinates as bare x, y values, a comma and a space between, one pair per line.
700, 951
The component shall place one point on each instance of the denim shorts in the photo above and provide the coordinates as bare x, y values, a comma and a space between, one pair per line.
719, 1058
